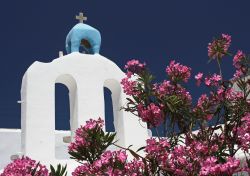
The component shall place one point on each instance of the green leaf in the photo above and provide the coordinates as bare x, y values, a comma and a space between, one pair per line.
141, 148
134, 154
60, 170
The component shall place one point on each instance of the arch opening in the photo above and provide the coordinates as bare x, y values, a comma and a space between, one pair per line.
70, 83
109, 113
112, 104
85, 47
62, 111
65, 113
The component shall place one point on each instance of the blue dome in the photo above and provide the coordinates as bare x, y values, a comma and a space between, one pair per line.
83, 35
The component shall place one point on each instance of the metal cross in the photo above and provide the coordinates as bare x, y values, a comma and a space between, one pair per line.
81, 18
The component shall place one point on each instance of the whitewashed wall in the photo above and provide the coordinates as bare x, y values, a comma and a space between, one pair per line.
11, 145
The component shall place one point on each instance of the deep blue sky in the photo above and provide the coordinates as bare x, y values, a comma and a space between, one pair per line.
152, 31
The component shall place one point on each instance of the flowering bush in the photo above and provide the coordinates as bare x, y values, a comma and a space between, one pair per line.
211, 150
25, 167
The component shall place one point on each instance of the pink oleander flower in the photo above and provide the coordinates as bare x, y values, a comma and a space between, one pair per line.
81, 134
184, 95
158, 150
178, 72
238, 74
111, 157
243, 133
134, 168
237, 60
91, 124
121, 156
198, 78
84, 169
220, 94
155, 147
110, 163
134, 66
213, 80
151, 114
184, 160
203, 107
180, 160
226, 94
202, 101
219, 47
166, 89
211, 167
129, 86
233, 95
24, 167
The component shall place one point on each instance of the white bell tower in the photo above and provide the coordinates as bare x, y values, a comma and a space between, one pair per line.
85, 75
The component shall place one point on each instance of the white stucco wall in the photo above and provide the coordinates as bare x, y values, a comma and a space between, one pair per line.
11, 145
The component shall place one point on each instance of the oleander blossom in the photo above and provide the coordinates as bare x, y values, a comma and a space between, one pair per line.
151, 114
135, 67
110, 163
198, 78
219, 47
239, 62
185, 159
238, 58
165, 89
156, 148
135, 168
81, 134
213, 80
184, 95
238, 74
24, 167
129, 86
211, 167
204, 107
233, 95
91, 124
178, 72
203, 101
243, 133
